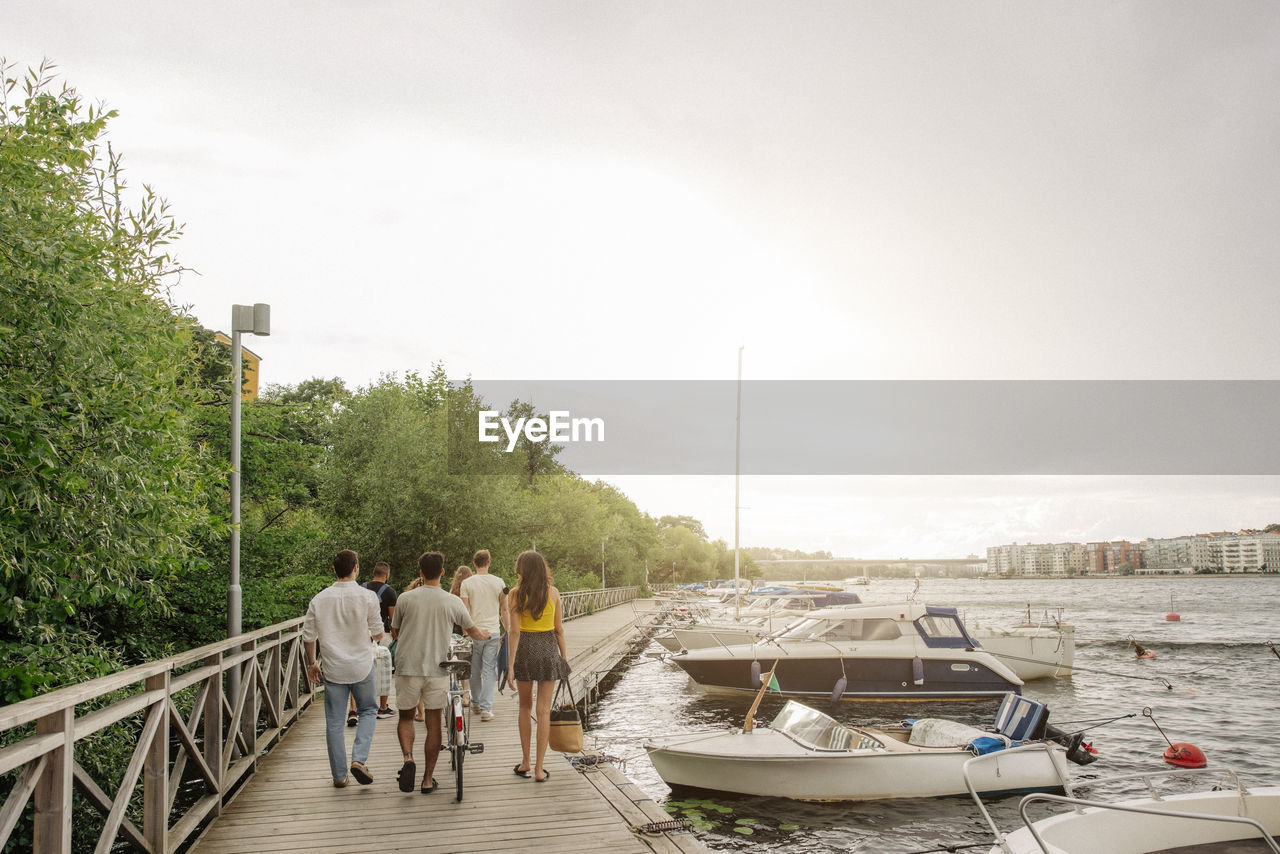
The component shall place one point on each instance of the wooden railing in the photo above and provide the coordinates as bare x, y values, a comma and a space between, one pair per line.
241, 695
582, 602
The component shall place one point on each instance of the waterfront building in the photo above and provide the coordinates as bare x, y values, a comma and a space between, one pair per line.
1228, 552
1167, 553
1117, 557
1056, 560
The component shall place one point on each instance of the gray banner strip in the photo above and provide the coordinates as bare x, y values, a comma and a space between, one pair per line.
993, 427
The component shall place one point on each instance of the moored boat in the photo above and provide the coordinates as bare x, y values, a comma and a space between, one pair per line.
870, 652
807, 755
1225, 819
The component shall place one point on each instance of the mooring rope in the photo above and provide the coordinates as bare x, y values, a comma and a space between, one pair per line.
1167, 684
986, 844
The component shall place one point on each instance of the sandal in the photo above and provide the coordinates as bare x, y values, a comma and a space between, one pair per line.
426, 790
408, 773
525, 773
546, 775
353, 719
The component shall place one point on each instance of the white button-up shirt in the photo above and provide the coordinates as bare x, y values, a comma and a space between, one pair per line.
344, 617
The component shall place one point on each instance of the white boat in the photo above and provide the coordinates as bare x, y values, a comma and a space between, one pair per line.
907, 651
807, 755
1225, 819
760, 614
1045, 650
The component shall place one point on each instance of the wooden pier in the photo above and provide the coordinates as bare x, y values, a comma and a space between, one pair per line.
291, 805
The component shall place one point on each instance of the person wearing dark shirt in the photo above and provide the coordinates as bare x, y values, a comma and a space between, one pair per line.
386, 607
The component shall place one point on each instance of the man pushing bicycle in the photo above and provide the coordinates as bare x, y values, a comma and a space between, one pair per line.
422, 625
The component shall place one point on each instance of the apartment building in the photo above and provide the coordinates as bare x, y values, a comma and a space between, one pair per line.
1228, 552
1167, 553
1114, 558
1037, 559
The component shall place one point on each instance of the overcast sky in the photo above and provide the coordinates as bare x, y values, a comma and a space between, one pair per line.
593, 190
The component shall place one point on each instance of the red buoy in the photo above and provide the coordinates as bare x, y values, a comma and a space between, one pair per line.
1184, 755
1172, 617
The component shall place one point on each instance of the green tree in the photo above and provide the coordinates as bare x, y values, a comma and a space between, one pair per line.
99, 485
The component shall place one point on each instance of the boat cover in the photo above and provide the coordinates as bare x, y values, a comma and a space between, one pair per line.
939, 732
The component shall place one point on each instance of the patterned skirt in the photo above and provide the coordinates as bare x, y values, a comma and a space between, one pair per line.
538, 658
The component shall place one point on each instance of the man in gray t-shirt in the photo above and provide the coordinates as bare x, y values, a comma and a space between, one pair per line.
422, 623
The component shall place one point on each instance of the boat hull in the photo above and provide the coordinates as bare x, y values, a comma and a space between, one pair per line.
1032, 652
1100, 831
730, 766
953, 677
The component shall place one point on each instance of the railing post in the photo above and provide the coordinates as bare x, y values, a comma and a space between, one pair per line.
249, 720
213, 726
53, 791
275, 678
155, 779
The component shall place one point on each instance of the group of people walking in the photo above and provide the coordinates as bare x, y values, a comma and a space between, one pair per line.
349, 628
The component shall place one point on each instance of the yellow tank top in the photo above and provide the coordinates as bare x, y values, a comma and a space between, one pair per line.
545, 623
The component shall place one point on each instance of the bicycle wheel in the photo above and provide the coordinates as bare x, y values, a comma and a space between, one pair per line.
458, 751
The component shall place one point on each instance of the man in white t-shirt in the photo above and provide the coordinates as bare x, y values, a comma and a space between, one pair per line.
484, 596
422, 624
344, 619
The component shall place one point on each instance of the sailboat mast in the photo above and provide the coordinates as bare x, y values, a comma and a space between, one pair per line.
737, 464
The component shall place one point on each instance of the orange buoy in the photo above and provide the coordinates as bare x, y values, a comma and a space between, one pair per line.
1184, 755
1172, 617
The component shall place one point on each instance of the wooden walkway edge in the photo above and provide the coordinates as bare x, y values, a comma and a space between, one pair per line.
290, 804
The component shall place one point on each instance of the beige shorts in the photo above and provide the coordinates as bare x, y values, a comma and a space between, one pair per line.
431, 690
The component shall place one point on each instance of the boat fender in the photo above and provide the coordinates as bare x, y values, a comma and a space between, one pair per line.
917, 671
838, 691
1184, 755
755, 674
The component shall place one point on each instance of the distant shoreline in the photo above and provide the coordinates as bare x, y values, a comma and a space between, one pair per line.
1146, 577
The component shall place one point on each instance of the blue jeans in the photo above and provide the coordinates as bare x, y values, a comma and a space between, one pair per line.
336, 696
484, 671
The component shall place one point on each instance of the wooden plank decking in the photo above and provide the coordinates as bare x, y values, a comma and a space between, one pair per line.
291, 805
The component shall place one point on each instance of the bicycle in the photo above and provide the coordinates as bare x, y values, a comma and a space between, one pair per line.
456, 716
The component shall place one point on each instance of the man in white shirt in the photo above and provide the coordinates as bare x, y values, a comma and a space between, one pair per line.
344, 618
422, 625
483, 594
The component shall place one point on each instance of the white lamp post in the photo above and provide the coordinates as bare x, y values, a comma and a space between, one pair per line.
255, 319
602, 584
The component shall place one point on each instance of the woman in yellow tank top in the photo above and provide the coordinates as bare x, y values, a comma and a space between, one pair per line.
537, 654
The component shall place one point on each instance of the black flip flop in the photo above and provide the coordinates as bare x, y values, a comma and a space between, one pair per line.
525, 774
408, 774
434, 785
545, 778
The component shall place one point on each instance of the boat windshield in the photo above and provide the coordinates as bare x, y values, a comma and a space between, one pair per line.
811, 727
806, 629
843, 630
942, 629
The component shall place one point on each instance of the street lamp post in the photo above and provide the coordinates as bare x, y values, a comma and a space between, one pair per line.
255, 319
602, 584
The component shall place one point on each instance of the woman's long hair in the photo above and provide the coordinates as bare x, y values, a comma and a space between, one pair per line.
463, 573
534, 587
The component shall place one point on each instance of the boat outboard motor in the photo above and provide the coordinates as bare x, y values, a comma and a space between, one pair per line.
1073, 743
